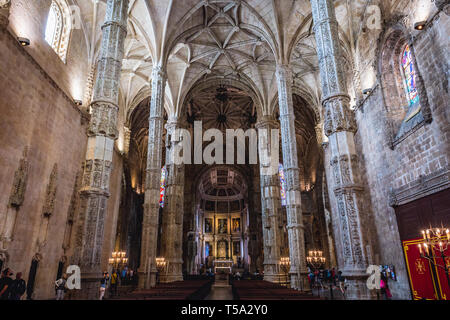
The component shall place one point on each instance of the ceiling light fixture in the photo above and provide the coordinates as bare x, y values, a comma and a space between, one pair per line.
24, 42
420, 25
367, 91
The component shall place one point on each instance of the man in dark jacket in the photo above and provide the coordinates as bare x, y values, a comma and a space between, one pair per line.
5, 284
18, 287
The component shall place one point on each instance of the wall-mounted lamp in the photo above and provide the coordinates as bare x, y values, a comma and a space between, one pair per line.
23, 41
420, 25
78, 102
367, 91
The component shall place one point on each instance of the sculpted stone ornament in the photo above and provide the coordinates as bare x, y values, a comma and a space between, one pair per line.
50, 194
47, 210
5, 6
20, 182
15, 201
71, 213
393, 201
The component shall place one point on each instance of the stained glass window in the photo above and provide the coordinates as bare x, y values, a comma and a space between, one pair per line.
162, 187
410, 76
282, 184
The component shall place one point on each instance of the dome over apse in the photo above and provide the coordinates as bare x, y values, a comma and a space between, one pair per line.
222, 189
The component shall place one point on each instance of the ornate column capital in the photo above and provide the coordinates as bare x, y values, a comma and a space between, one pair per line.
284, 71
159, 73
266, 122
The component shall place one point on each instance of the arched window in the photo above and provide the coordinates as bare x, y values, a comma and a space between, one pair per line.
162, 187
59, 26
405, 101
282, 184
409, 75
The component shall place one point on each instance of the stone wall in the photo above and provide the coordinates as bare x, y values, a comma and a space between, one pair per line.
423, 152
36, 113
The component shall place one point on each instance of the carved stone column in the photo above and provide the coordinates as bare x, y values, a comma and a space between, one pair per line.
340, 127
147, 269
172, 224
270, 205
5, 6
295, 226
102, 132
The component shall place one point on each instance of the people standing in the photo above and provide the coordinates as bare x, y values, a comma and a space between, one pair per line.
103, 284
131, 275
114, 280
311, 278
341, 281
60, 286
18, 287
5, 284
124, 275
384, 287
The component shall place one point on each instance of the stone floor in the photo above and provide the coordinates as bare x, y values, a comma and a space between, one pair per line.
220, 290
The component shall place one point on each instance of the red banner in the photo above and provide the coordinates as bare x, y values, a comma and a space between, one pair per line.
427, 281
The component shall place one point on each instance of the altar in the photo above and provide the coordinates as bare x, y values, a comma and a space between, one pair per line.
223, 265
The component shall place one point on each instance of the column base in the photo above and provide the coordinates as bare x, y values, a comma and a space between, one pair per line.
146, 281
173, 272
300, 283
357, 288
167, 278
90, 288
275, 278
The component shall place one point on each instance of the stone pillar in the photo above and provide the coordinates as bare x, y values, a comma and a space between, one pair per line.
149, 239
172, 224
295, 226
340, 127
102, 132
271, 208
5, 7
